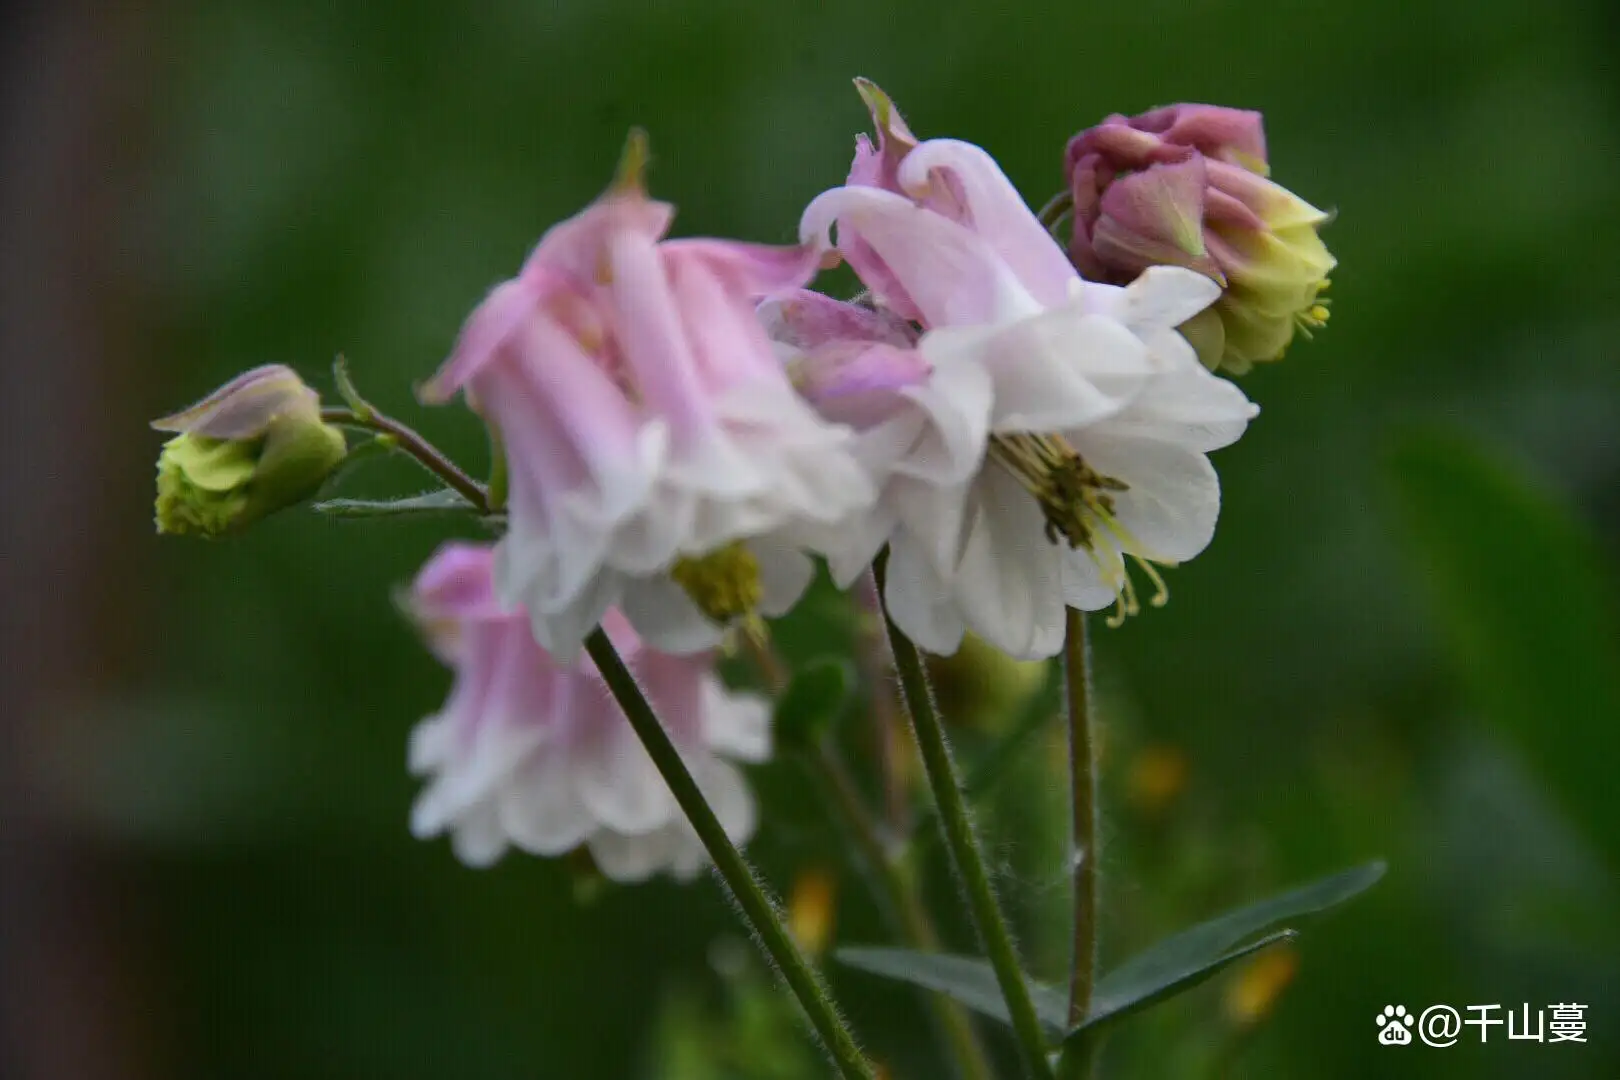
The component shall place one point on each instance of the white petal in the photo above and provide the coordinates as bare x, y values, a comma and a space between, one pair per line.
1009, 584
1160, 298
934, 520
1091, 579
850, 545
542, 811
631, 859
957, 400
784, 574
666, 618
478, 840
1188, 407
689, 858
1063, 369
735, 724
919, 602
431, 744
560, 630
621, 786
1168, 513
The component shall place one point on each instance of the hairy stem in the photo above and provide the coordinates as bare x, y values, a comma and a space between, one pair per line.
964, 846
1083, 789
900, 902
750, 892
1076, 1063
429, 456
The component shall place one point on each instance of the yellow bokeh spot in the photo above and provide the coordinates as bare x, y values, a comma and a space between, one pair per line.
1252, 996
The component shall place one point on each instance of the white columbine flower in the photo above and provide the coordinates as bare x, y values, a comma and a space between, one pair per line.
536, 755
1039, 436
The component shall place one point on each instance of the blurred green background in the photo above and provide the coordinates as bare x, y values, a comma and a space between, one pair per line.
1401, 644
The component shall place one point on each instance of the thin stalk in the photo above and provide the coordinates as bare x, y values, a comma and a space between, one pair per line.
750, 892
429, 456
964, 847
1055, 208
1083, 789
900, 902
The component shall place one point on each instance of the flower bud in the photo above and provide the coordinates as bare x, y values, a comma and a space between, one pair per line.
254, 446
1186, 186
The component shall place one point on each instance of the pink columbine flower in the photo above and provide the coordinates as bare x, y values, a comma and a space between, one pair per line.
1187, 186
531, 754
659, 458
1042, 430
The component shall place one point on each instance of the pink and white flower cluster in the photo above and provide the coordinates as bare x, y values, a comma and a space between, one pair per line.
685, 425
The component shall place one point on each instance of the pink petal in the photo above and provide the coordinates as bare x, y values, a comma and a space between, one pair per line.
995, 211
952, 274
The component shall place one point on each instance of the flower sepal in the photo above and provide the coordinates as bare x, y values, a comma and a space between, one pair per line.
254, 446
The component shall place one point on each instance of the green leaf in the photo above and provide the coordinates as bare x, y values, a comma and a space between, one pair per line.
441, 503
969, 980
1183, 961
815, 697
1528, 613
1117, 997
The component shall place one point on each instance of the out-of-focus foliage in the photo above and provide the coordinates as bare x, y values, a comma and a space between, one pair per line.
1379, 655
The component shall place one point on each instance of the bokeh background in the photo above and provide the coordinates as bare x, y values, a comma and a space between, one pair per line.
1401, 644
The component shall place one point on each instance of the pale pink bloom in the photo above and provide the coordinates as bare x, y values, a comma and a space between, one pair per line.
645, 419
1040, 432
533, 754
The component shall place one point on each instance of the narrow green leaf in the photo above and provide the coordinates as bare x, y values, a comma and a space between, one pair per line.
441, 503
969, 980
814, 699
1528, 612
1116, 999
1180, 962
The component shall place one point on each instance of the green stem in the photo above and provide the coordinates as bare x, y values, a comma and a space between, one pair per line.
1083, 788
1076, 1063
900, 902
1055, 208
964, 846
750, 893
429, 456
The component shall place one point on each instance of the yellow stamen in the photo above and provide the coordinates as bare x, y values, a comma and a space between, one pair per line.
1072, 495
1078, 504
724, 584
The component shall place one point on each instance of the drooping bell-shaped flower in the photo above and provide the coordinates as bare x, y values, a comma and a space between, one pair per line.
659, 459
531, 754
1042, 430
254, 446
1187, 186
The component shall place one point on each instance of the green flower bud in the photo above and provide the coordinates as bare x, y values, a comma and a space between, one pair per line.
252, 447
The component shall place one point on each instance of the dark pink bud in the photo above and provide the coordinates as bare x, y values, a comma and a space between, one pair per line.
1186, 185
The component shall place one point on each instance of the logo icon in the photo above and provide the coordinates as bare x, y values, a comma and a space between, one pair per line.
1395, 1026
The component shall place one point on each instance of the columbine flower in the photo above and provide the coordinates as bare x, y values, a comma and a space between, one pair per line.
659, 458
1042, 430
536, 755
1186, 186
254, 446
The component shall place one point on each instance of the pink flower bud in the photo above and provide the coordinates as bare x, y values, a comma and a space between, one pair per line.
1186, 186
